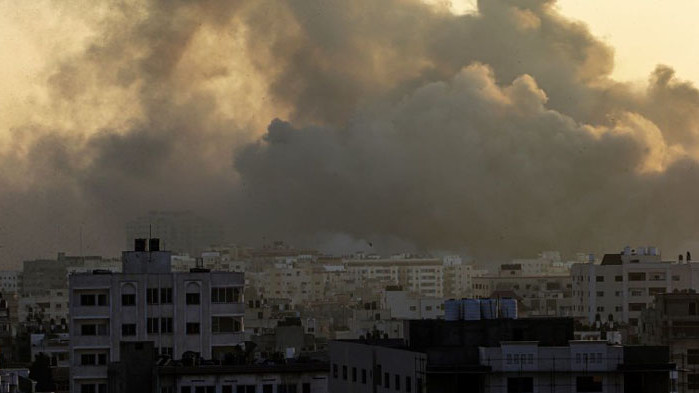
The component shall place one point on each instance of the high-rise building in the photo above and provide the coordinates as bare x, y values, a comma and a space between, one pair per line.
198, 312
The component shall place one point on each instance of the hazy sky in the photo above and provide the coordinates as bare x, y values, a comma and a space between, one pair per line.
644, 33
509, 131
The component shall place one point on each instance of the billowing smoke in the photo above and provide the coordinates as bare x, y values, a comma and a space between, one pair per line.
499, 133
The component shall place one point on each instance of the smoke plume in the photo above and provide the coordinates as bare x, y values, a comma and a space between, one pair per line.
500, 132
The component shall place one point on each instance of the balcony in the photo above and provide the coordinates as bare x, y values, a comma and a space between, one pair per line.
227, 309
90, 312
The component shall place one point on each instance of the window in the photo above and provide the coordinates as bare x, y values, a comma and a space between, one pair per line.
530, 358
94, 329
128, 299
600, 278
306, 387
637, 276
600, 293
633, 321
344, 372
166, 325
227, 389
618, 278
591, 383
364, 376
268, 388
656, 291
693, 381
245, 389
286, 388
128, 329
153, 324
152, 295
692, 309
509, 358
335, 371
520, 385
354, 374
192, 298
386, 380
167, 351
408, 384
225, 295
165, 295
186, 389
87, 300
396, 384
192, 328
93, 388
693, 356
225, 325
88, 359
637, 306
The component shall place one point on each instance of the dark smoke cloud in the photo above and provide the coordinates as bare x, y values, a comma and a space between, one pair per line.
500, 133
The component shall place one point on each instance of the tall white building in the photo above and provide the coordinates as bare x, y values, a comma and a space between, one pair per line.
625, 284
197, 311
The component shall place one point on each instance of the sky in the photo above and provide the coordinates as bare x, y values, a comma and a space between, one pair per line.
499, 130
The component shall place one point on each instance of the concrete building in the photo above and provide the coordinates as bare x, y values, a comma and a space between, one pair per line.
199, 312
406, 305
623, 285
10, 281
497, 355
673, 320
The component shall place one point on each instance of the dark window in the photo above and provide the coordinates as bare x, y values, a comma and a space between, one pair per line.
88, 330
344, 372
386, 380
397, 382
618, 278
520, 385
87, 300
693, 381
306, 387
166, 325
693, 356
600, 278
128, 299
186, 389
153, 324
192, 328
589, 383
692, 309
128, 329
335, 371
225, 295
192, 298
408, 384
364, 376
637, 276
165, 295
102, 300
102, 359
152, 296
354, 374
225, 325
227, 389
87, 359
268, 388
637, 306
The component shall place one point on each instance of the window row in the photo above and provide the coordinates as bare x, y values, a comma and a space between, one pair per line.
165, 326
266, 388
384, 379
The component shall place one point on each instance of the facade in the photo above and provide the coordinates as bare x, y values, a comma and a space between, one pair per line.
543, 295
199, 312
10, 281
406, 305
376, 367
623, 285
501, 355
673, 320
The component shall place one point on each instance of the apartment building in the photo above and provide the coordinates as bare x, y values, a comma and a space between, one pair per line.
624, 284
673, 320
10, 281
198, 312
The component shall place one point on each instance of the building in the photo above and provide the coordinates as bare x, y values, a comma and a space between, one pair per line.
41, 276
197, 312
673, 320
497, 355
623, 285
10, 281
181, 232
